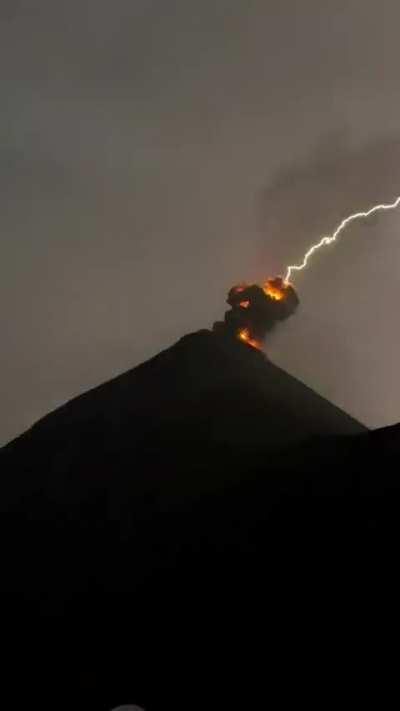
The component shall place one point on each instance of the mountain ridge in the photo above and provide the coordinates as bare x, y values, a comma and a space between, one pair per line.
162, 524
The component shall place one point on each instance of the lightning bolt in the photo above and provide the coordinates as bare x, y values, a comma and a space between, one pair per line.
332, 238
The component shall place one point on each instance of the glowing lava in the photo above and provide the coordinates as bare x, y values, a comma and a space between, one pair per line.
273, 291
256, 309
244, 335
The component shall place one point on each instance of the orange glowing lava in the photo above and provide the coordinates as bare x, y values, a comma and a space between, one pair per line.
255, 309
274, 292
244, 335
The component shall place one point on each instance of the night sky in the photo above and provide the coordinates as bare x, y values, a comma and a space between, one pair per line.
155, 152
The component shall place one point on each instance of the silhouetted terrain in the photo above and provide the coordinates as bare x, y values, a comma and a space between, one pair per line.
203, 531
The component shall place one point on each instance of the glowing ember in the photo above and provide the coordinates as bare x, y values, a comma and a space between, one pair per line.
244, 335
256, 309
274, 292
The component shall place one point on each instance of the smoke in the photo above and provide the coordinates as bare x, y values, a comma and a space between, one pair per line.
255, 310
350, 286
308, 199
332, 238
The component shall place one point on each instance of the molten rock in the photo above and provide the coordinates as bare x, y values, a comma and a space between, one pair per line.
256, 309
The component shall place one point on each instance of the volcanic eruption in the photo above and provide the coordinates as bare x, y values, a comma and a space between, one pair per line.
256, 309
204, 496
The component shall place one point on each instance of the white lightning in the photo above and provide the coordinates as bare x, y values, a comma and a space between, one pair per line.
331, 238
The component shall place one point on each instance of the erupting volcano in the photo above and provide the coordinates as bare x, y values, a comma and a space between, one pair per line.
256, 309
204, 494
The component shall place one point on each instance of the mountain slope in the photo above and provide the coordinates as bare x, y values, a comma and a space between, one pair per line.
224, 390
192, 533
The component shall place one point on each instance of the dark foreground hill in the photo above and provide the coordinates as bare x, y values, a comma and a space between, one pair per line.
201, 532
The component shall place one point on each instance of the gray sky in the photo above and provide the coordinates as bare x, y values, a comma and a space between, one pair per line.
154, 152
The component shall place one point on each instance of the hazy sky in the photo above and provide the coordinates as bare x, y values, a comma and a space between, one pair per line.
154, 152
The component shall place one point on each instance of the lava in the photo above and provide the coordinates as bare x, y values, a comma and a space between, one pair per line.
256, 309
273, 291
245, 336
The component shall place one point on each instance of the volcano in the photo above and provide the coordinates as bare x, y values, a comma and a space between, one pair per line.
175, 537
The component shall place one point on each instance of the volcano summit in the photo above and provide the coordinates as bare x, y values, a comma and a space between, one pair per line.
172, 536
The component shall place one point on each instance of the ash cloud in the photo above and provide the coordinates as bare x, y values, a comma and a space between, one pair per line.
307, 199
344, 344
255, 310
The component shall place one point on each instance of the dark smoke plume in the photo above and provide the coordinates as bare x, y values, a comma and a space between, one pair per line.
256, 309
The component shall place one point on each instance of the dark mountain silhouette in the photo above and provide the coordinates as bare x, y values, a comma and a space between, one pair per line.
203, 531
